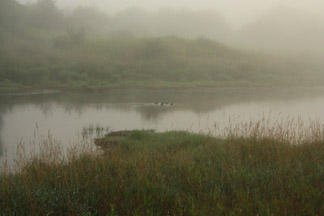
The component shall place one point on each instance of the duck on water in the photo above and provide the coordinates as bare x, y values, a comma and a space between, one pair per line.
164, 103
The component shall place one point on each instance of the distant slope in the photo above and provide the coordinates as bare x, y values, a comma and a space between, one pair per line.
182, 23
148, 62
45, 48
286, 29
44, 15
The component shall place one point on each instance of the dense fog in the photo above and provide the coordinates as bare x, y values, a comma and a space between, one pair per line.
280, 25
237, 13
56, 44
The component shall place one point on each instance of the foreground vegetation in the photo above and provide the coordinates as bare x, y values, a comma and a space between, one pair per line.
173, 173
43, 48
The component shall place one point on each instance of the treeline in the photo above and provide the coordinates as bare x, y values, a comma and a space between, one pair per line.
42, 48
281, 29
45, 15
128, 61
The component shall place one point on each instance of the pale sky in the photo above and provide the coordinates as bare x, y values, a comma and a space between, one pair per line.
237, 12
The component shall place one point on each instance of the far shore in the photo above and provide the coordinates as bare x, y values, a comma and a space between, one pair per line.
46, 91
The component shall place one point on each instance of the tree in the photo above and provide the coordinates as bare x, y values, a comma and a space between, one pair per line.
45, 14
71, 38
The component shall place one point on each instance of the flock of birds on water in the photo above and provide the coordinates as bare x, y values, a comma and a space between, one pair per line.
164, 103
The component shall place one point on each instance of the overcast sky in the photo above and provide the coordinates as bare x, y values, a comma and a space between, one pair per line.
237, 12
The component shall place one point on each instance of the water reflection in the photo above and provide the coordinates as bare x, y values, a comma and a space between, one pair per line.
198, 100
1, 143
66, 114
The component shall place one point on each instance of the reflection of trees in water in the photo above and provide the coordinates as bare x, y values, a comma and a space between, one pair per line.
1, 125
148, 111
153, 112
196, 100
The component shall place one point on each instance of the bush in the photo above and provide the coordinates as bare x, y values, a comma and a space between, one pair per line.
63, 76
71, 38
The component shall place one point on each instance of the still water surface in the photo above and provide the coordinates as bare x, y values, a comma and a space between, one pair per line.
25, 118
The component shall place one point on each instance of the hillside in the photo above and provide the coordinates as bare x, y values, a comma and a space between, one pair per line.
182, 23
286, 29
45, 48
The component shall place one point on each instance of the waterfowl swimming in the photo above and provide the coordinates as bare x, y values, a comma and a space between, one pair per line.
163, 103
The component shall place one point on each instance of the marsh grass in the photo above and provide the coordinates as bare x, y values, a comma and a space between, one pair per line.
269, 171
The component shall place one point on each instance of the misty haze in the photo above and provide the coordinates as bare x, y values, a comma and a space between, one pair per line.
161, 108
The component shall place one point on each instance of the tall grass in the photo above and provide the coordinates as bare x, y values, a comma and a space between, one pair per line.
178, 173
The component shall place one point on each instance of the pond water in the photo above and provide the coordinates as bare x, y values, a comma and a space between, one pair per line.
26, 118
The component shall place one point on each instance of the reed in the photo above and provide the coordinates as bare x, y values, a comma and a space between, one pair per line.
268, 171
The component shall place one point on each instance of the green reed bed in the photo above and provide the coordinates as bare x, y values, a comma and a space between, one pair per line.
173, 173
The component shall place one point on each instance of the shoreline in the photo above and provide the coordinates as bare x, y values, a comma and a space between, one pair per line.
47, 91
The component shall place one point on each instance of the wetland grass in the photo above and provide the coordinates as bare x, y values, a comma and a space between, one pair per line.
177, 173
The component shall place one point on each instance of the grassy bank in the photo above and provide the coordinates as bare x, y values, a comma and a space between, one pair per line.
174, 173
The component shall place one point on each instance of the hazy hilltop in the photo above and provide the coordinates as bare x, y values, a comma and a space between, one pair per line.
43, 46
45, 15
164, 22
285, 29
280, 29
183, 23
